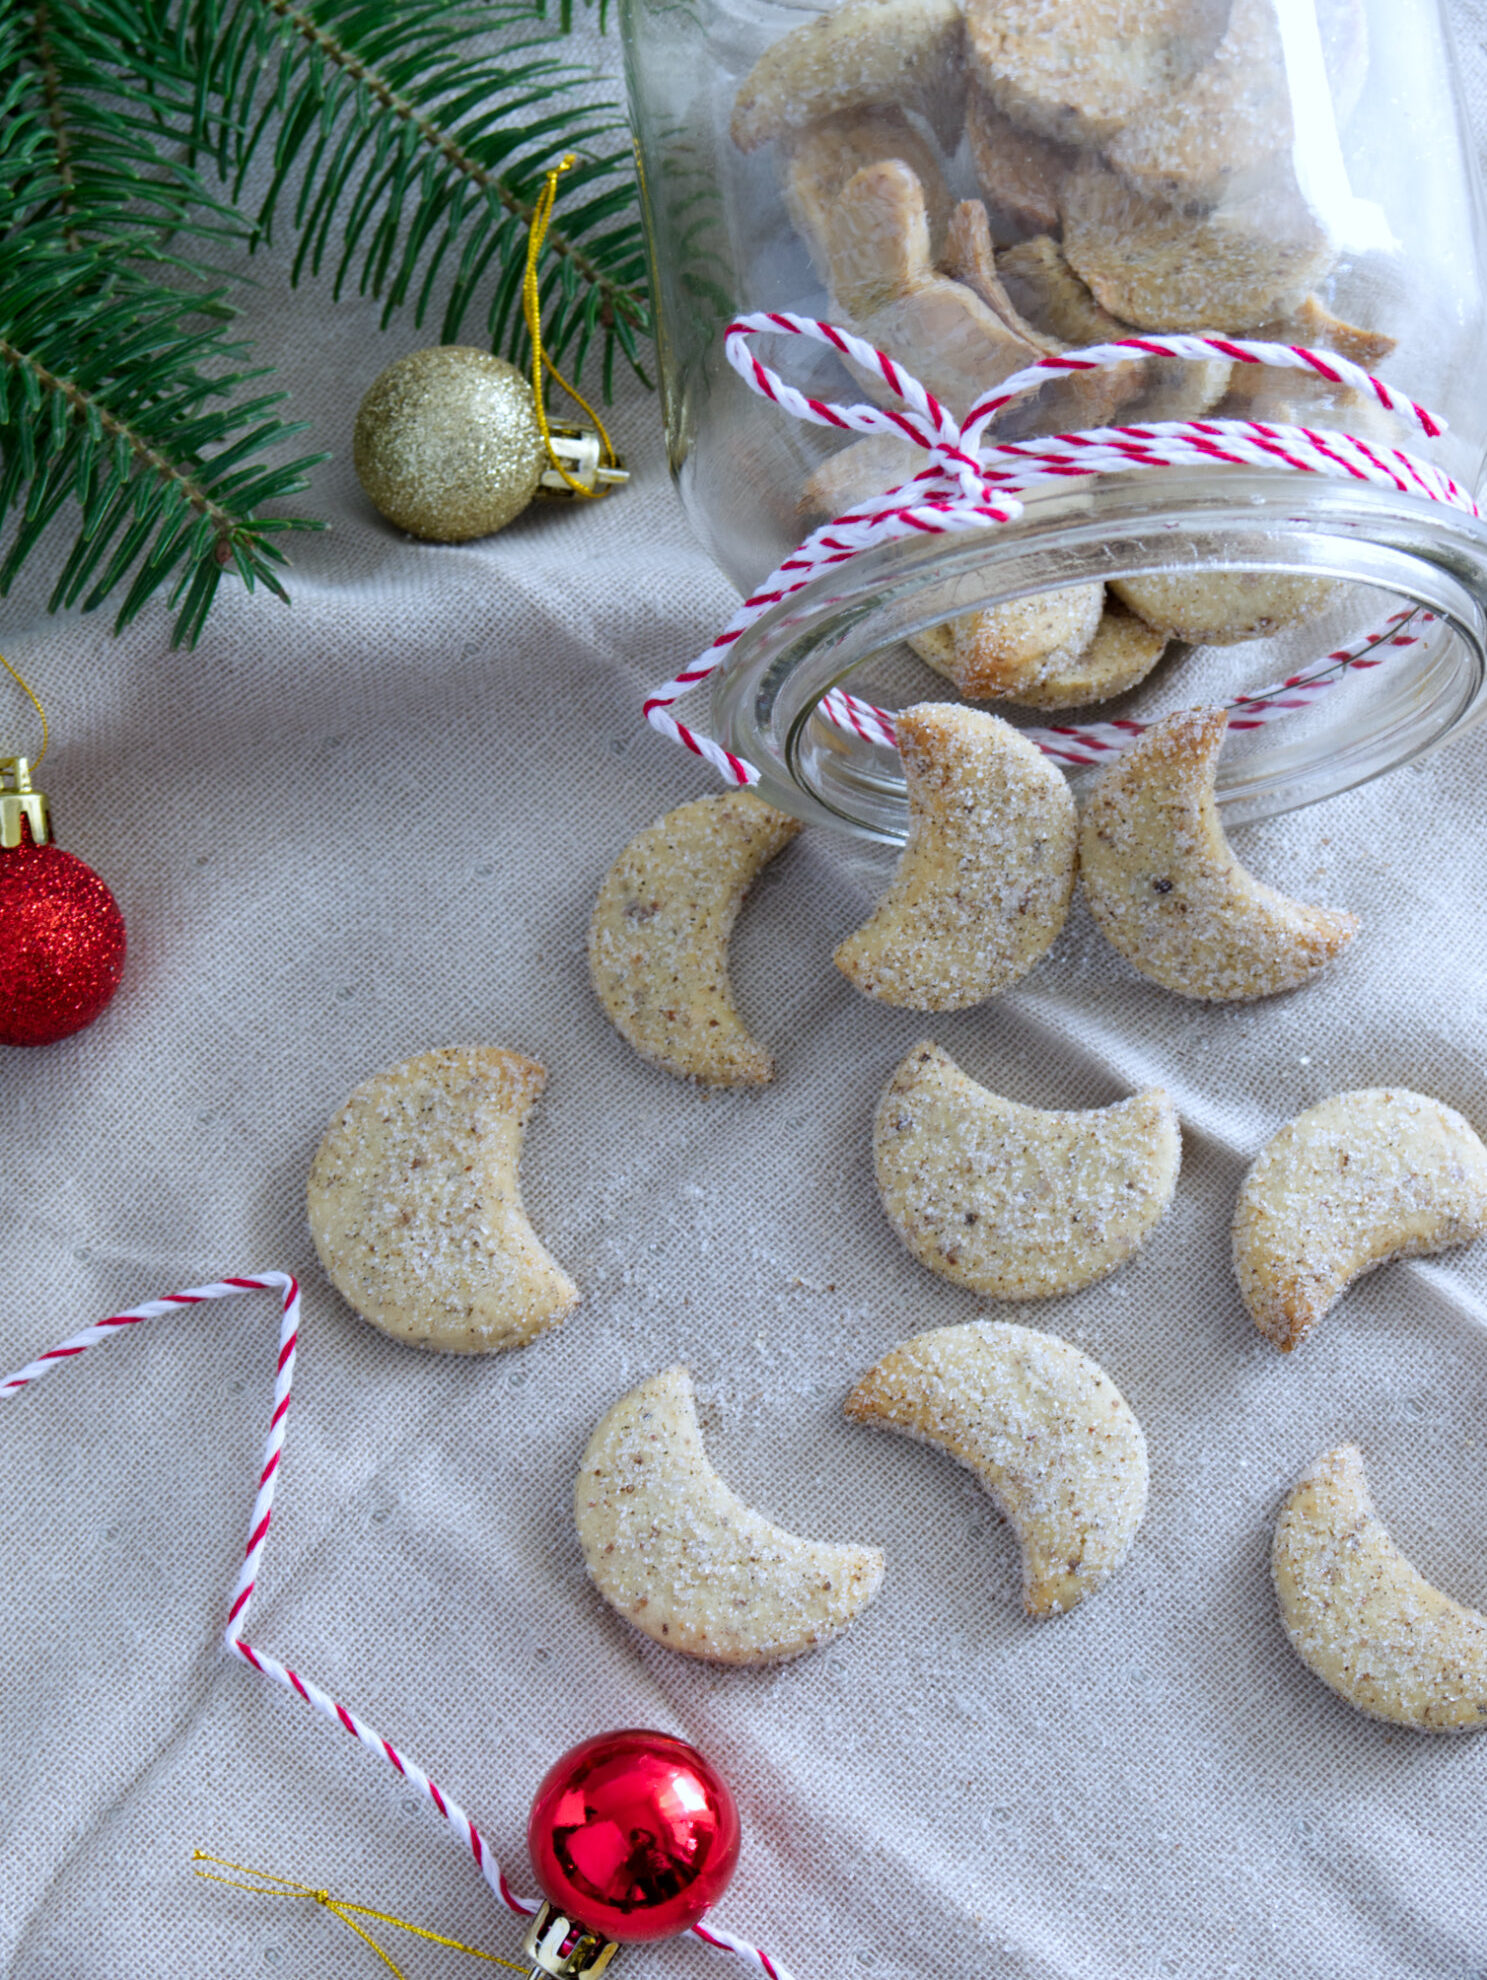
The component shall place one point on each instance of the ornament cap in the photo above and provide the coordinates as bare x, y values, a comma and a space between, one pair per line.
579, 450
19, 799
563, 1949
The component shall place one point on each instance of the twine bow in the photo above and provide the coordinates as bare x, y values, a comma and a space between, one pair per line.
968, 484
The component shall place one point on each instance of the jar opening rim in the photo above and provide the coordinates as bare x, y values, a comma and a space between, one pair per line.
767, 694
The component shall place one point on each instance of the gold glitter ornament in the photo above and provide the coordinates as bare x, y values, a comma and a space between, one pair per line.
448, 445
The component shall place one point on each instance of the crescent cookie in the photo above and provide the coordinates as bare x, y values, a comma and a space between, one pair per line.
1004, 651
1077, 73
416, 1210
1233, 117
971, 652
1164, 268
1165, 889
879, 247
1015, 1202
1044, 288
1362, 1618
658, 937
859, 55
684, 1559
985, 880
1122, 653
1044, 1429
1221, 608
819, 162
1352, 1183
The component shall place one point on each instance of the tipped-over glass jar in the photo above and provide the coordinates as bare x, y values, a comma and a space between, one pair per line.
978, 189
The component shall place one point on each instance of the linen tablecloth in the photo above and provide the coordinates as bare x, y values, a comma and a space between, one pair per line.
373, 823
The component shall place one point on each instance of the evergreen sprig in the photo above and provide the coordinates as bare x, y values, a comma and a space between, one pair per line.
112, 381
401, 143
82, 139
417, 155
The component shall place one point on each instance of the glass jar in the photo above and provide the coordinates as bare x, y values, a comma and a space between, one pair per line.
978, 189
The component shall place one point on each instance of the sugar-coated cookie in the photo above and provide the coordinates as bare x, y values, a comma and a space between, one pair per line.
817, 163
1004, 651
658, 937
416, 1209
684, 1559
860, 55
1228, 120
1362, 1618
973, 652
1166, 890
1355, 1181
1077, 73
1121, 655
1017, 1202
1231, 118
1164, 268
984, 882
1044, 288
1045, 1430
879, 249
1221, 608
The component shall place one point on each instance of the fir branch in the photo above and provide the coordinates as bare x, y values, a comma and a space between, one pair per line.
108, 396
437, 139
98, 149
419, 152
51, 85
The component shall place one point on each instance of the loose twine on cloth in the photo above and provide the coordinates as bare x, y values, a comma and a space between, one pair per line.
241, 1595
969, 484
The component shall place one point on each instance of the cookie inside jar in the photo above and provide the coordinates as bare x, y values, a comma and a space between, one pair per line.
1258, 213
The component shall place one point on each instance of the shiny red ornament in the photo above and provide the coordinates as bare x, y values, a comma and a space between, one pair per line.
634, 1835
61, 943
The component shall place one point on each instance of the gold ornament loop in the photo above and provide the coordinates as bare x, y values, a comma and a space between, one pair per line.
612, 471
272, 1884
30, 693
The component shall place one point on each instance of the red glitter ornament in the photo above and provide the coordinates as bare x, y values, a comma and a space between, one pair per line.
61, 932
633, 1835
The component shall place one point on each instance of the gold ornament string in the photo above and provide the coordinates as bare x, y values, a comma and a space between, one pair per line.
30, 693
270, 1884
531, 303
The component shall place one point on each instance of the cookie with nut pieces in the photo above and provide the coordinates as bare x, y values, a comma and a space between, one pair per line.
1365, 1621
1045, 1430
416, 1210
659, 933
1165, 888
680, 1555
1019, 1202
984, 881
1356, 1181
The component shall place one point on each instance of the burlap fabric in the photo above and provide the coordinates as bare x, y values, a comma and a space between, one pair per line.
374, 823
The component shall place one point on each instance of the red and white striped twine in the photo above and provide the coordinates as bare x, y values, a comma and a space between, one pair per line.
241, 1596
968, 485
1092, 742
